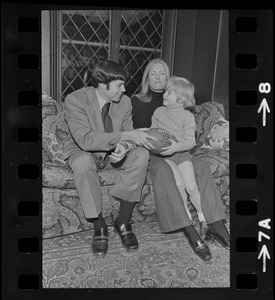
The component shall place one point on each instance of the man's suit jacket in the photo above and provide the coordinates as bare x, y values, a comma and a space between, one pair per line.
86, 127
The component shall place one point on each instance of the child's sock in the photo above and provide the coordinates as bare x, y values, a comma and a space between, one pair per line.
191, 234
219, 227
201, 217
189, 214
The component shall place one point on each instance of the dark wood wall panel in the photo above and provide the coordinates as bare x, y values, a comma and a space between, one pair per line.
205, 50
201, 53
184, 46
221, 84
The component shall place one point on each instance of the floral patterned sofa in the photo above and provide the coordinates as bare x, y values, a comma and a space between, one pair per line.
62, 212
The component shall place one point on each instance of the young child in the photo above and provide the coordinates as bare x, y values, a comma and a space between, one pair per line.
174, 117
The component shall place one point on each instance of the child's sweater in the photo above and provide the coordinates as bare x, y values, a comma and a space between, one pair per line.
179, 122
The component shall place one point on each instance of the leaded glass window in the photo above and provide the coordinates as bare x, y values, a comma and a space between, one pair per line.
140, 41
85, 41
87, 36
81, 38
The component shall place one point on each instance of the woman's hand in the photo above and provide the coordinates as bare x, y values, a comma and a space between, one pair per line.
173, 148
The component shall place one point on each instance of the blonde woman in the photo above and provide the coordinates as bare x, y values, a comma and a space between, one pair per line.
170, 207
144, 104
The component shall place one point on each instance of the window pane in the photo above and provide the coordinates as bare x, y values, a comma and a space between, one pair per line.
140, 41
86, 37
85, 41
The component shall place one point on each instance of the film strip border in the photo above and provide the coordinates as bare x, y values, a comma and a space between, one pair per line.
251, 156
251, 195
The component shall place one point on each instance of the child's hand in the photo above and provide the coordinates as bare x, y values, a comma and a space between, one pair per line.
174, 147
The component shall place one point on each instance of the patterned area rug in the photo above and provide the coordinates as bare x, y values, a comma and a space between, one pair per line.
162, 261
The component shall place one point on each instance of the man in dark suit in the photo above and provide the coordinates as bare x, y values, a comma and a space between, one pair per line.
99, 118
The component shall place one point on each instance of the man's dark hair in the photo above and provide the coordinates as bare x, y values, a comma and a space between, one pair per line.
105, 72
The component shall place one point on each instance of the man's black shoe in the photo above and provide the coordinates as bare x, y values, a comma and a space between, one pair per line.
100, 242
212, 235
128, 238
201, 249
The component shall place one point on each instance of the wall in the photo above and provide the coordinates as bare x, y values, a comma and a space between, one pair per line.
45, 52
221, 83
201, 53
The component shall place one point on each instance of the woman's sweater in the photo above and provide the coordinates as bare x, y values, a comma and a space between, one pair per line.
142, 111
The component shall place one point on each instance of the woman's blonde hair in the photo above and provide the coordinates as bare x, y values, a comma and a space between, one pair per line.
144, 94
184, 90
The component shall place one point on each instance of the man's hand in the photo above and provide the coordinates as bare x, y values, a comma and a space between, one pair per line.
139, 138
174, 147
118, 153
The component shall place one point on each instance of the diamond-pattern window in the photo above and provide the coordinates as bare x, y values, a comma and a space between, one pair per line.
140, 41
86, 40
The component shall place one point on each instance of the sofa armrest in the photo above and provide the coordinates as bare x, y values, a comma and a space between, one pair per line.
207, 115
218, 137
55, 131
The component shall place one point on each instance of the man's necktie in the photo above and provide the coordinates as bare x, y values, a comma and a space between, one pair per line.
108, 125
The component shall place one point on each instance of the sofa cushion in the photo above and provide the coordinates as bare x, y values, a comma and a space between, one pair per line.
63, 214
53, 148
207, 115
218, 137
58, 176
55, 131
217, 159
222, 184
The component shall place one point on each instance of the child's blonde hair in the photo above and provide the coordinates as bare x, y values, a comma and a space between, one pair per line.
184, 90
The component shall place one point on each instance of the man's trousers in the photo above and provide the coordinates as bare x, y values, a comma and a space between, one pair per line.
128, 186
169, 203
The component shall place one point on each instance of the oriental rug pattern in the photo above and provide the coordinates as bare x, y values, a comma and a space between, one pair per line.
162, 261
